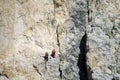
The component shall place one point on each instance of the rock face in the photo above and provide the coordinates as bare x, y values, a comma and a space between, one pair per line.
29, 28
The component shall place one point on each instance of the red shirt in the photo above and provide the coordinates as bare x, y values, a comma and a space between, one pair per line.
53, 53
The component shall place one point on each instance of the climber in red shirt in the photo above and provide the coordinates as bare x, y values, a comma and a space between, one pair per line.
53, 53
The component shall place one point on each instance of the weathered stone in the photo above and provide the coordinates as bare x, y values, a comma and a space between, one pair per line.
29, 28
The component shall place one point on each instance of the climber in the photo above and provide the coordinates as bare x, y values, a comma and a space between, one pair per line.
46, 57
53, 53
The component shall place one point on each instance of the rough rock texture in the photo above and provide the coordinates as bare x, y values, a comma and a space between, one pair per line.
29, 28
104, 39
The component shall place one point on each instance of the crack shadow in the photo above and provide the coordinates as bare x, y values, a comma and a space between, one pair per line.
84, 72
4, 75
35, 67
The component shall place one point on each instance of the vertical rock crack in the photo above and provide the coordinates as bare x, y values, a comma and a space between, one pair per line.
84, 71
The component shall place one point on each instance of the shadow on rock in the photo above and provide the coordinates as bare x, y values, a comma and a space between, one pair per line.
84, 70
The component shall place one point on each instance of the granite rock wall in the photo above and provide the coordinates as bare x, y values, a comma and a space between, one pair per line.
29, 28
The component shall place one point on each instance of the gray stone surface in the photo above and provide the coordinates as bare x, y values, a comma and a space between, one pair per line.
29, 28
